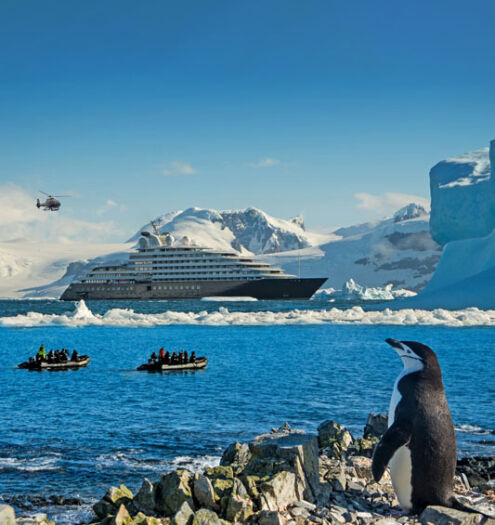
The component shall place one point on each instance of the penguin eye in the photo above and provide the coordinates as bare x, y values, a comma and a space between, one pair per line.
409, 351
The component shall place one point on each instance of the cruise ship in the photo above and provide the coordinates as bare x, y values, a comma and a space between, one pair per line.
162, 268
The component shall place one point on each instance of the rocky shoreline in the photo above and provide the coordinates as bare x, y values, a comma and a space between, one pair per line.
286, 477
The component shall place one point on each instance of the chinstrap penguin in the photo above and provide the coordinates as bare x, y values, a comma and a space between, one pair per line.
420, 442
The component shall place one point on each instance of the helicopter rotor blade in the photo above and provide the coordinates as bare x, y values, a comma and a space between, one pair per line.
44, 193
61, 196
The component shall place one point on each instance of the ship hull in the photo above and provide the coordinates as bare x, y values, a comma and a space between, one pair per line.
290, 288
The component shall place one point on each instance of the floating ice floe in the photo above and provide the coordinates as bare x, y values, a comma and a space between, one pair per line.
353, 291
119, 317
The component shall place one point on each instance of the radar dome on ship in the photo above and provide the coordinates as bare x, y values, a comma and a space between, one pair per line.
186, 241
168, 239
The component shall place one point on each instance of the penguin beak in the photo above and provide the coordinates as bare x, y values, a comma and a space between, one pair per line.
394, 344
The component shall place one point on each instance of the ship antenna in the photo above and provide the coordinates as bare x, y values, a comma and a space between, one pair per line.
154, 225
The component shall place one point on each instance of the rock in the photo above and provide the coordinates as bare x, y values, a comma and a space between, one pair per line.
478, 470
7, 515
238, 509
207, 517
172, 491
290, 451
145, 498
35, 519
236, 456
110, 502
386, 521
333, 471
376, 425
184, 515
267, 517
122, 517
115, 494
305, 505
222, 480
362, 466
278, 492
447, 516
103, 508
204, 493
334, 438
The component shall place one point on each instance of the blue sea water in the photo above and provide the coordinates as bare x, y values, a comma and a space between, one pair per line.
75, 433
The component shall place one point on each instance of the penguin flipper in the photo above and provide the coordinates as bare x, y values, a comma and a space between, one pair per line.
394, 438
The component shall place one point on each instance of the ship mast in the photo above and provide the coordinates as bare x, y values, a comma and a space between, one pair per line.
154, 225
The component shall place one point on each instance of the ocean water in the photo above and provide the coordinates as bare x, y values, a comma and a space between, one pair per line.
75, 433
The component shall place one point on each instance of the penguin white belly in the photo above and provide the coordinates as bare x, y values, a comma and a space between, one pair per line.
400, 472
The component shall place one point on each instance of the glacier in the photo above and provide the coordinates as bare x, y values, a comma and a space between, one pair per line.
462, 220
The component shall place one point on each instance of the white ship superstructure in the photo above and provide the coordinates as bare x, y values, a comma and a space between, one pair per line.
162, 268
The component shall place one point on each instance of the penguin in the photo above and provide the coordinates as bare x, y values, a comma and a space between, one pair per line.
420, 443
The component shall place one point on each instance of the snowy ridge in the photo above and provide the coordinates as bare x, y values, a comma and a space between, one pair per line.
397, 251
246, 231
83, 316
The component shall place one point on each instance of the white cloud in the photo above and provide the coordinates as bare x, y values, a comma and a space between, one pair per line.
179, 168
266, 162
110, 204
20, 218
388, 202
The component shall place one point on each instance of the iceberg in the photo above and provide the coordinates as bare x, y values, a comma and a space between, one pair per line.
463, 220
353, 291
463, 196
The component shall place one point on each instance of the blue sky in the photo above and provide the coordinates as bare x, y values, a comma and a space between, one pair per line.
138, 108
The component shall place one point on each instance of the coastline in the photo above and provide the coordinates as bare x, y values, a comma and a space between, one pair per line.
284, 477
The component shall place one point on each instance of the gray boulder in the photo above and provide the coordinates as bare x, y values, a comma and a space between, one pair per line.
184, 515
291, 451
376, 425
333, 438
204, 492
172, 491
447, 516
207, 517
236, 455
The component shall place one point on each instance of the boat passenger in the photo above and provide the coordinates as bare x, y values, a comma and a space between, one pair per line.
186, 358
174, 358
161, 354
75, 356
193, 357
181, 357
50, 356
41, 352
153, 357
167, 357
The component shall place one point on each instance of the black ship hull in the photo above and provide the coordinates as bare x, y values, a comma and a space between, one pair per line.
289, 288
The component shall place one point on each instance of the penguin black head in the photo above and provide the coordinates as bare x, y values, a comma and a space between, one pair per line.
415, 356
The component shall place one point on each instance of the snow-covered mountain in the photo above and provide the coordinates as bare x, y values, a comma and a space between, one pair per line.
246, 231
39, 269
462, 218
398, 251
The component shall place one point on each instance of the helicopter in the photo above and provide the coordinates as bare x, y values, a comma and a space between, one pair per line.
51, 203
